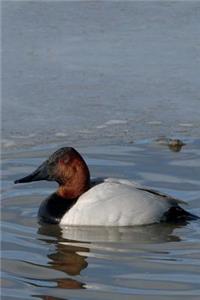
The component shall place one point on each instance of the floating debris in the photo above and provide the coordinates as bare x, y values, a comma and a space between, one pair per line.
173, 144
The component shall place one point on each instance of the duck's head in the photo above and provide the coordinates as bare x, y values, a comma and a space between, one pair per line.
67, 167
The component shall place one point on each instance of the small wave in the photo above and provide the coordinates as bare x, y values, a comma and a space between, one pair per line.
112, 122
6, 143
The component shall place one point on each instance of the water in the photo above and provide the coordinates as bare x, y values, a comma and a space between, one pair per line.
116, 80
99, 71
159, 261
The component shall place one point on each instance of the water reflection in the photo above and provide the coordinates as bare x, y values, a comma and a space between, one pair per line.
64, 258
45, 297
73, 238
158, 233
69, 247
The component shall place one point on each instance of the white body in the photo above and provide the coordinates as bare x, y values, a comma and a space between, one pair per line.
118, 202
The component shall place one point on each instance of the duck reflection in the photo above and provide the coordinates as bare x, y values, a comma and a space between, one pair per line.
155, 233
63, 257
67, 260
45, 297
69, 256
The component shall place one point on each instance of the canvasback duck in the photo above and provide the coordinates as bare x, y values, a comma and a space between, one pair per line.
102, 202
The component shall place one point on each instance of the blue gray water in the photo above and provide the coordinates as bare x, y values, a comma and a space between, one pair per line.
142, 262
99, 71
116, 80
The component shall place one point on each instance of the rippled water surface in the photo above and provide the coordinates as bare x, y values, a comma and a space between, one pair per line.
92, 74
144, 262
99, 70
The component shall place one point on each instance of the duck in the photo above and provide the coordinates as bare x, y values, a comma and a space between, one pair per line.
82, 201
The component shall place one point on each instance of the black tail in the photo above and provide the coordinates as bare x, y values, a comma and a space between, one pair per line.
177, 214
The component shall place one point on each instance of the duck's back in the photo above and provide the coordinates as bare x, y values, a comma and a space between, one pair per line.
117, 203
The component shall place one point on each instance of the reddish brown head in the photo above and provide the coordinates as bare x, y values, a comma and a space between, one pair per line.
68, 168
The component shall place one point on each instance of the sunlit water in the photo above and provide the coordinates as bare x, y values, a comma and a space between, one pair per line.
143, 262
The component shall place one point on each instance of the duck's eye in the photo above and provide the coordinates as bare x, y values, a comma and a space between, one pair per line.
64, 161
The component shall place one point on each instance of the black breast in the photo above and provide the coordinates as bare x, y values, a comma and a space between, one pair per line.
53, 209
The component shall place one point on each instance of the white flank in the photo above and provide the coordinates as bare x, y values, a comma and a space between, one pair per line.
116, 202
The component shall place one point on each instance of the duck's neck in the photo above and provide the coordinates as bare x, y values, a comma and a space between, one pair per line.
53, 209
77, 184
